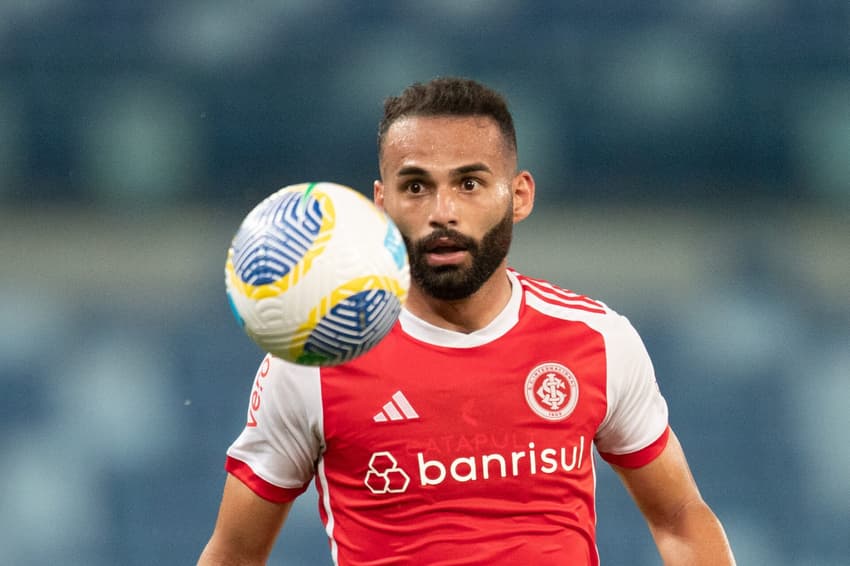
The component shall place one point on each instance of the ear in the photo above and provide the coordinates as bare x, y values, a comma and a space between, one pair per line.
523, 195
378, 194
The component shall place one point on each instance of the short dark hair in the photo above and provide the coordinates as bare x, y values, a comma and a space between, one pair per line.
448, 96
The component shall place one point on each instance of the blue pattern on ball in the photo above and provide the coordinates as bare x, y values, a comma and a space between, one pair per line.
275, 237
352, 326
234, 310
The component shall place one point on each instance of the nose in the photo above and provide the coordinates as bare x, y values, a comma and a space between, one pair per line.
444, 208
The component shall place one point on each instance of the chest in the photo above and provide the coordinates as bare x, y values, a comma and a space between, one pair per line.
534, 393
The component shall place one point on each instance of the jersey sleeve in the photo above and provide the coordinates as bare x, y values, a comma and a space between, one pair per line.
635, 428
276, 453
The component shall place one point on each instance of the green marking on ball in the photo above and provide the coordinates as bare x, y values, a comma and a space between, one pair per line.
305, 196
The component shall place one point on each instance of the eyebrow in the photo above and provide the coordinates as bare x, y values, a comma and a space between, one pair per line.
471, 168
412, 170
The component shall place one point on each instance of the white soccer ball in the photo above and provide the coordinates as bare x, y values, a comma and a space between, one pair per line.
317, 274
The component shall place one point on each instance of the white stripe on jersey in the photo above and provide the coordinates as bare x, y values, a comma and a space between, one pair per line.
326, 503
562, 297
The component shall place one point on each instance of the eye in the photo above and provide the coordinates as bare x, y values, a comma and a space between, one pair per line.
415, 187
469, 184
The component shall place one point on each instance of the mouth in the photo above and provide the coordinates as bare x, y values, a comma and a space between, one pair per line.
445, 251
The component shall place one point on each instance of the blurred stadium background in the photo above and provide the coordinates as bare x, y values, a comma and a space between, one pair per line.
693, 168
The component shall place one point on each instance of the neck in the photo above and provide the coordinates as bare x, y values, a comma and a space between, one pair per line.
464, 315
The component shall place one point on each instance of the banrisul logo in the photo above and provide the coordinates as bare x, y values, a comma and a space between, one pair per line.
494, 466
551, 390
385, 475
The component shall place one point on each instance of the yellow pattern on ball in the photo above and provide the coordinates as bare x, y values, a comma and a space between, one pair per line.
257, 292
344, 291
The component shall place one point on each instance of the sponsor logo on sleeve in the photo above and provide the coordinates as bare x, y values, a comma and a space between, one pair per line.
257, 392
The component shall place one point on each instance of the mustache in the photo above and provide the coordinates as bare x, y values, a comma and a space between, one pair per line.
422, 245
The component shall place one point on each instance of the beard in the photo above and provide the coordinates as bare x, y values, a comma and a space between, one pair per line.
454, 282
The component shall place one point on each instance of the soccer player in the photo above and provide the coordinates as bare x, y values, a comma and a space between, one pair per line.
466, 435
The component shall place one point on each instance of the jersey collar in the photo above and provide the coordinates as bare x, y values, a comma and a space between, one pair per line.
498, 327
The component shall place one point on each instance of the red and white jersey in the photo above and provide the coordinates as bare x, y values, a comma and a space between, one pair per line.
438, 447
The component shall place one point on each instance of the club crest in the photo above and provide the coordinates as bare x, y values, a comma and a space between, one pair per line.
551, 390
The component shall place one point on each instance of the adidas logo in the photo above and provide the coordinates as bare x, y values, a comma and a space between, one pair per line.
399, 409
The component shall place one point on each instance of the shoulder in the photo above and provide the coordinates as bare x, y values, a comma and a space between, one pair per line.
284, 387
548, 294
556, 302
553, 300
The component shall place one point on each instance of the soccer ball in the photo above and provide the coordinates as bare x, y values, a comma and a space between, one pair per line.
317, 274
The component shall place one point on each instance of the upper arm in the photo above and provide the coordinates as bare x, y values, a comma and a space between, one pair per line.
246, 528
685, 529
662, 487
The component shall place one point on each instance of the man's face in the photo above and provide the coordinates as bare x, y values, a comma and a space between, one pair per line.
447, 184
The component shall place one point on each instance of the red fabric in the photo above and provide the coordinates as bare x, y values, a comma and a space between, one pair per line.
490, 454
641, 457
258, 485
